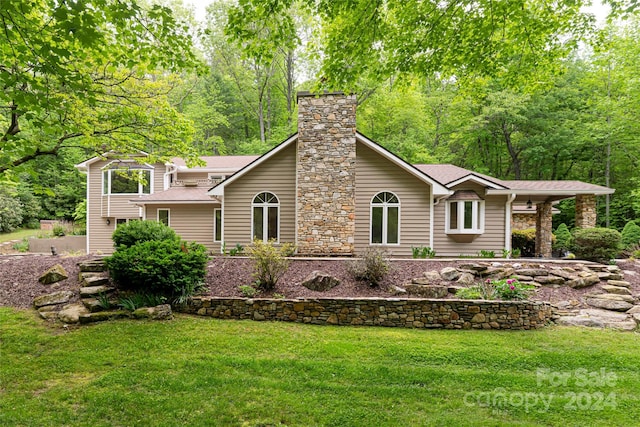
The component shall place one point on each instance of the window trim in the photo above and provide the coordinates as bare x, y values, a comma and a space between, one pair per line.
478, 215
215, 226
385, 219
108, 172
168, 215
265, 218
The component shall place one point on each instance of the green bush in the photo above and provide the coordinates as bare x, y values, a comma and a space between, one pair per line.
596, 244
563, 238
371, 267
525, 241
630, 234
170, 268
10, 213
269, 262
422, 252
127, 235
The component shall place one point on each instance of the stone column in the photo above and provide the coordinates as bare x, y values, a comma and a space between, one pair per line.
544, 227
326, 174
585, 211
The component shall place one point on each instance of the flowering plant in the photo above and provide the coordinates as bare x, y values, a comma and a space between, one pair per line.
510, 289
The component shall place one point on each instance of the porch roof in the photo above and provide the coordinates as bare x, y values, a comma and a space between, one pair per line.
177, 195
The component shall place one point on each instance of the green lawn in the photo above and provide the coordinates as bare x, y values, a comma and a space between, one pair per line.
199, 371
19, 234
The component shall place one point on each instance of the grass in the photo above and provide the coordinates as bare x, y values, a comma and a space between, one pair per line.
19, 234
199, 371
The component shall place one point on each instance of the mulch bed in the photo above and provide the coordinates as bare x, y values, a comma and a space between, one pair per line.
19, 278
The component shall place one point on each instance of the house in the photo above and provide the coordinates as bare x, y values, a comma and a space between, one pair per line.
330, 190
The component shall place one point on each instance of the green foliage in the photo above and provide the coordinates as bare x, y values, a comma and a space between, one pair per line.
248, 290
170, 268
269, 262
58, 230
596, 244
237, 250
80, 213
503, 289
133, 232
630, 234
371, 266
10, 213
483, 253
524, 241
422, 252
136, 300
562, 238
104, 301
22, 245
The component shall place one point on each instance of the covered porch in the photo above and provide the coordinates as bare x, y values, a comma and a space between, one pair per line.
540, 196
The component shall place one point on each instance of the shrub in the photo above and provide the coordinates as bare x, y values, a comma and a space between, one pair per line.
472, 292
525, 241
596, 244
503, 289
484, 253
22, 245
563, 238
10, 213
58, 230
248, 291
630, 234
422, 252
371, 267
269, 262
127, 235
170, 268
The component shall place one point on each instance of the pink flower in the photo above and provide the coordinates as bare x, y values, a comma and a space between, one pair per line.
512, 287
510, 281
488, 280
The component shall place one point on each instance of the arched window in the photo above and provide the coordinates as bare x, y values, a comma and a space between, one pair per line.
266, 214
385, 219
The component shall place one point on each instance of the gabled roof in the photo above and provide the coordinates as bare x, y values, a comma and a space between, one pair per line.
109, 154
438, 188
452, 175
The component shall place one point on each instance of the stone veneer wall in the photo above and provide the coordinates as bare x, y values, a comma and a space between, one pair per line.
523, 221
404, 313
326, 168
585, 211
544, 230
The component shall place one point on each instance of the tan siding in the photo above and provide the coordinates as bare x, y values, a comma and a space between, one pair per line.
192, 175
374, 174
277, 175
191, 222
493, 237
102, 207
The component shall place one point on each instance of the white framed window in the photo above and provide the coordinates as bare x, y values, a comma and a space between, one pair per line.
465, 216
265, 217
164, 216
217, 225
120, 221
127, 181
385, 219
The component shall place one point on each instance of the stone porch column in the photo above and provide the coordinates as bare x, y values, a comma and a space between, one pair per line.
543, 230
585, 211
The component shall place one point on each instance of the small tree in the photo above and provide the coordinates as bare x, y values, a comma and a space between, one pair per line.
596, 244
630, 234
269, 262
563, 238
371, 267
10, 213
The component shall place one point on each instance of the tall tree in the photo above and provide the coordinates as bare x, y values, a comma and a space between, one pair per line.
89, 73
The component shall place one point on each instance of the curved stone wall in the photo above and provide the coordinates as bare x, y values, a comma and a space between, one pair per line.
404, 313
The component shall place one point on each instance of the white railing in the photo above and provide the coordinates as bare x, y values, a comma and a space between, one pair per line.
195, 182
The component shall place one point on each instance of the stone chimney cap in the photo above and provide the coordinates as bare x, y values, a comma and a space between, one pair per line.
318, 94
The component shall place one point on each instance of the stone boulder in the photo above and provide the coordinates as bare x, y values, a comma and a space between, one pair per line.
92, 291
102, 316
549, 280
621, 283
609, 304
96, 265
620, 290
397, 290
427, 291
159, 312
432, 276
60, 297
318, 281
450, 273
94, 279
53, 275
583, 281
71, 313
466, 279
532, 272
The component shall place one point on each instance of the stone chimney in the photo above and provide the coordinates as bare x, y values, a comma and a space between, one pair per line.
326, 174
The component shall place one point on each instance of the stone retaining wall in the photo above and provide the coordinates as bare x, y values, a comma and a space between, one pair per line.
405, 313
62, 244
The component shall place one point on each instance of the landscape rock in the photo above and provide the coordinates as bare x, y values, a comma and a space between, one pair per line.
450, 273
634, 310
397, 290
616, 290
474, 267
91, 291
421, 281
614, 297
53, 275
71, 313
102, 316
600, 319
159, 312
610, 276
427, 291
585, 280
95, 279
96, 265
621, 283
466, 279
567, 275
59, 297
532, 272
550, 280
433, 276
609, 304
318, 281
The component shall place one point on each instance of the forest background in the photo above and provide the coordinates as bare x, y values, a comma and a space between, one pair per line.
516, 89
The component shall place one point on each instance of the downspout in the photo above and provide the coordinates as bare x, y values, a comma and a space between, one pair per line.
507, 223
432, 215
